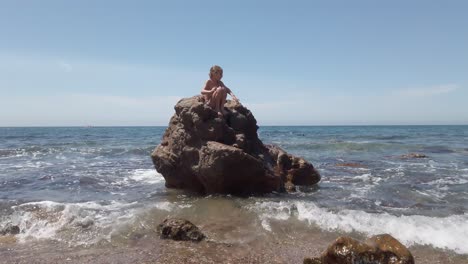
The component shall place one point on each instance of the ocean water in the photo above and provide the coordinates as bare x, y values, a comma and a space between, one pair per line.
88, 186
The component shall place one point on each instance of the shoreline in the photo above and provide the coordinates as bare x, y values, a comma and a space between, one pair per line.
291, 246
167, 251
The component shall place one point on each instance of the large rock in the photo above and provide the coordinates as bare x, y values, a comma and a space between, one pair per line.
380, 249
208, 154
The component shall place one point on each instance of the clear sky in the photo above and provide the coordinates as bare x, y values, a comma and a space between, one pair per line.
291, 62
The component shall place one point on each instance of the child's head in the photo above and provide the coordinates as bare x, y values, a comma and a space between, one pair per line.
216, 69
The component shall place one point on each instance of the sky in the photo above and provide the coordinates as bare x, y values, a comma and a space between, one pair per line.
127, 63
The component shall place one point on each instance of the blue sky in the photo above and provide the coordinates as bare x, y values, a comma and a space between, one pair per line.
105, 62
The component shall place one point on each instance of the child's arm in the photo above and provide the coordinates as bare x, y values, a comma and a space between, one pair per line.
230, 93
233, 96
208, 89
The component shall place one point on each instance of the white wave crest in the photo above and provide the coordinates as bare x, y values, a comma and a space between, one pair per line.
368, 177
272, 210
448, 181
165, 206
79, 223
147, 176
446, 233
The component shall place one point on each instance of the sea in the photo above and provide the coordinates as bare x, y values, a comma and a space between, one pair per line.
88, 186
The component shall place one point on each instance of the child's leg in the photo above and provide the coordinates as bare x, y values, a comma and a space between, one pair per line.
222, 94
223, 101
218, 99
212, 102
215, 98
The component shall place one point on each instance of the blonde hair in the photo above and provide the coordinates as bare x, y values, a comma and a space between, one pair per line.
215, 68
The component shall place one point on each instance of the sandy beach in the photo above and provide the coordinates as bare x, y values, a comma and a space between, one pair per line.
289, 245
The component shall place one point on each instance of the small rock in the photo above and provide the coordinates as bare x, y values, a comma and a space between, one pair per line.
413, 156
10, 229
179, 229
380, 249
391, 249
290, 187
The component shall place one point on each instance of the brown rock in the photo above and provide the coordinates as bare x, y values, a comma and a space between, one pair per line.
380, 249
413, 156
226, 169
391, 249
295, 170
179, 229
207, 154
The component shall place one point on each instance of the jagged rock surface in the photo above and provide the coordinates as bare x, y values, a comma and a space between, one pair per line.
179, 229
204, 153
379, 249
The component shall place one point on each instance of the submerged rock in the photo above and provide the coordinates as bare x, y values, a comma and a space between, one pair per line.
413, 156
179, 229
9, 229
379, 249
204, 153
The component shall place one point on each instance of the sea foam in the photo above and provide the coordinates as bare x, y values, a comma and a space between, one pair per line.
79, 223
445, 233
146, 176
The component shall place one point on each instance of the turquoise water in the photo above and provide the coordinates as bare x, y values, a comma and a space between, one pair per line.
57, 182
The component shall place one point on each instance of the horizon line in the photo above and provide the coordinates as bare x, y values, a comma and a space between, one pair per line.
330, 125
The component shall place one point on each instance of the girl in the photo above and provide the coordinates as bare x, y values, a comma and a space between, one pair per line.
215, 92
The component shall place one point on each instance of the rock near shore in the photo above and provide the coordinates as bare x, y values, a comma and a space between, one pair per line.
9, 229
179, 229
379, 249
208, 154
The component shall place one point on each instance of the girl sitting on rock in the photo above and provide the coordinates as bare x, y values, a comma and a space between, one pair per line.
215, 92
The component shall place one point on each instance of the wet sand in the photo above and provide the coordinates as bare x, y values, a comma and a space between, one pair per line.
290, 245
234, 235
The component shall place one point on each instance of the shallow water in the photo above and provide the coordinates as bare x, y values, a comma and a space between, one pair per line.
96, 186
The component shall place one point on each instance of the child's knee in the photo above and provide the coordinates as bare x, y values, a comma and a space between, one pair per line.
221, 91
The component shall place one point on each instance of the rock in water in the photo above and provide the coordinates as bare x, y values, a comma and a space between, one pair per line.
413, 156
204, 153
9, 229
380, 249
179, 229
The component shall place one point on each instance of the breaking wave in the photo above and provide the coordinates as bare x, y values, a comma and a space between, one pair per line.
445, 232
